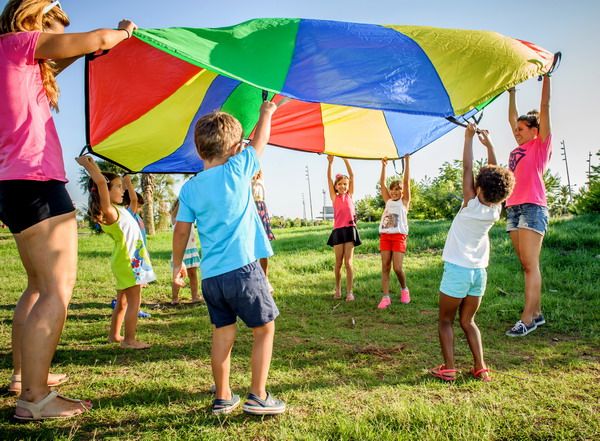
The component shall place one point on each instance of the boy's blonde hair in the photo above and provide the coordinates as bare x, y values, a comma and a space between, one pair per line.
215, 134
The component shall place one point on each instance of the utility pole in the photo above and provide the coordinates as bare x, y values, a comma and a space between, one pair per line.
309, 193
589, 161
303, 207
324, 202
564, 153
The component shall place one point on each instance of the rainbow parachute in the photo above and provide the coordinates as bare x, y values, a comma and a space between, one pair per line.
356, 90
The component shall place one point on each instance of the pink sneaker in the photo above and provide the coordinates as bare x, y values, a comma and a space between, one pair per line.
385, 302
405, 295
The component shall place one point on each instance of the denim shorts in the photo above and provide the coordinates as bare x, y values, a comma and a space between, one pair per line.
530, 216
242, 293
459, 281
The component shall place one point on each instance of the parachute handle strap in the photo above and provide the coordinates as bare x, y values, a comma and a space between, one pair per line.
462, 124
555, 64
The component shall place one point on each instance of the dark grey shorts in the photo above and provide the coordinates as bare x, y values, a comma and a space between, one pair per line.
242, 293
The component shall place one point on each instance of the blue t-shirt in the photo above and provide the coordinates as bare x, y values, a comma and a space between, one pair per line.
220, 201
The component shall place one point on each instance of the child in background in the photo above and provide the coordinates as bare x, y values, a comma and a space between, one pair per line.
466, 254
258, 192
130, 262
344, 236
393, 232
233, 239
191, 260
135, 212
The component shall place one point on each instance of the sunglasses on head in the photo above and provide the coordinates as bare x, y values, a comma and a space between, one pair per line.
51, 6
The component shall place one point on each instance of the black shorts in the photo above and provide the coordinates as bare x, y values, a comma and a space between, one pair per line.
344, 235
26, 203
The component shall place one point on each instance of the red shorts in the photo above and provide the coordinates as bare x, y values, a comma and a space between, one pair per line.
393, 242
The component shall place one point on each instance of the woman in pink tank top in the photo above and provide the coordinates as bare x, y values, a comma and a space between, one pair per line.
527, 214
34, 203
344, 236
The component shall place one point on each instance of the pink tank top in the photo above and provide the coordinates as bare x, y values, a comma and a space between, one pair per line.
343, 211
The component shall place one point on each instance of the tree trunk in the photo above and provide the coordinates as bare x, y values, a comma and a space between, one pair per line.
148, 193
163, 216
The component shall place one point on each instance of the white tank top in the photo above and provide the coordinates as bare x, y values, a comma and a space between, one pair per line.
393, 219
468, 244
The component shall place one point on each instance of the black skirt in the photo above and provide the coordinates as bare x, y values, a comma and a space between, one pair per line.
344, 235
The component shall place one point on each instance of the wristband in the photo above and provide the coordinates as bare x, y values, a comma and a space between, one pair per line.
128, 34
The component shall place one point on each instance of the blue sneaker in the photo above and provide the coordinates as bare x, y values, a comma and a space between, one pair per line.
142, 314
539, 320
113, 303
521, 329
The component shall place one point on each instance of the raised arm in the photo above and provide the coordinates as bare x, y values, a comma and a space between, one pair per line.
385, 194
545, 129
350, 177
513, 113
468, 181
133, 200
406, 181
330, 180
486, 140
109, 212
54, 46
263, 127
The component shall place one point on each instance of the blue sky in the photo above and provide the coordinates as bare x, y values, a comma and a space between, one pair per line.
555, 25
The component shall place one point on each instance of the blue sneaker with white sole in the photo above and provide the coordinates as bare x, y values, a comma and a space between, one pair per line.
521, 329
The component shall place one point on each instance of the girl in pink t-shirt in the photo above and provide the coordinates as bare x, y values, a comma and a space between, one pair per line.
34, 203
344, 236
526, 211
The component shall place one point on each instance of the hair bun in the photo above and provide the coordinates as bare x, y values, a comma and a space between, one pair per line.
533, 112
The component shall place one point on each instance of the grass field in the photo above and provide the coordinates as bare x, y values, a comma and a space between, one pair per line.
347, 371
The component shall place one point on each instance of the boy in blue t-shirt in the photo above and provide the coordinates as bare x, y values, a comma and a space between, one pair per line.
219, 200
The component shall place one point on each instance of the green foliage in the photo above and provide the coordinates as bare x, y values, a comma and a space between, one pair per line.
588, 199
369, 208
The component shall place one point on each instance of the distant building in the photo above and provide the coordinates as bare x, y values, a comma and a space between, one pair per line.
327, 213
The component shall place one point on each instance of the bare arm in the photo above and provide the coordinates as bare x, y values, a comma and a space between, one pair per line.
468, 181
545, 129
385, 194
64, 63
513, 113
133, 200
330, 180
263, 127
350, 176
406, 182
54, 46
181, 233
486, 140
109, 213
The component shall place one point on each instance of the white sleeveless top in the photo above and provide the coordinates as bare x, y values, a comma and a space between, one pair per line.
394, 219
468, 244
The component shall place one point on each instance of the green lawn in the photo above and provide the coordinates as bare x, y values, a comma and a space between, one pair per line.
347, 371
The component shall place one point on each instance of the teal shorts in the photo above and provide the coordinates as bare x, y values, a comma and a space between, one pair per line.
460, 282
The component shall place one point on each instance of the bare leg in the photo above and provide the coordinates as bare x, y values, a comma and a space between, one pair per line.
339, 260
386, 266
262, 351
193, 276
134, 299
175, 293
398, 259
50, 250
118, 315
264, 264
348, 260
220, 357
448, 307
468, 308
530, 247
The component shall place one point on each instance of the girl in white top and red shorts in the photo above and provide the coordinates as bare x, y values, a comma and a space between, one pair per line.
393, 232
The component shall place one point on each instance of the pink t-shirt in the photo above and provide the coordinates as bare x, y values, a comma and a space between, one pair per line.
343, 211
529, 162
29, 144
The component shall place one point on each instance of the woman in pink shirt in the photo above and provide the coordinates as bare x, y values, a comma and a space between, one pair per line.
344, 236
527, 214
34, 203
